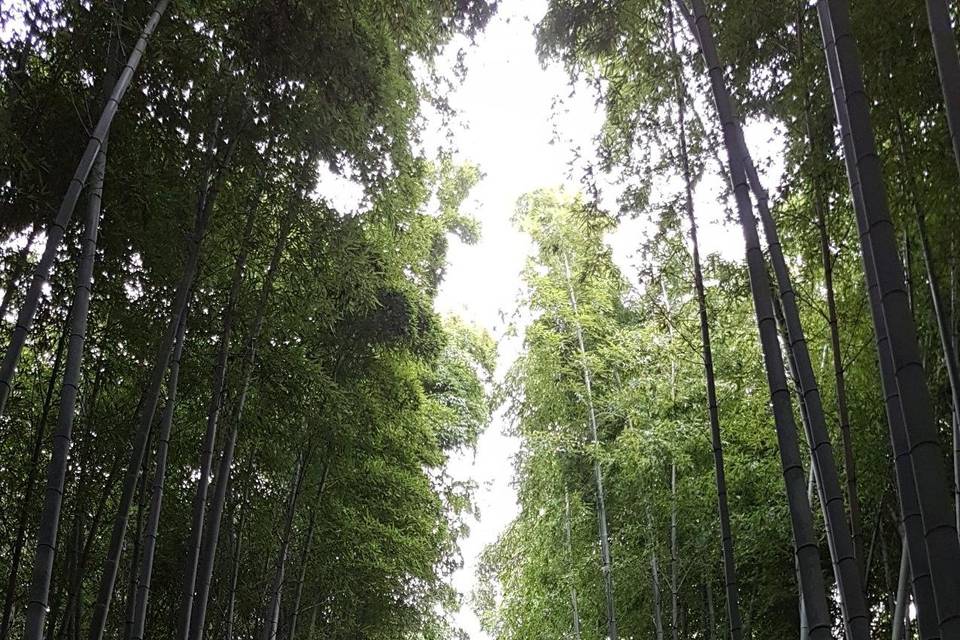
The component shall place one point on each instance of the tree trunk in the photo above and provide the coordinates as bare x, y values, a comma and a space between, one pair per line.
805, 544
210, 435
907, 488
29, 488
888, 588
305, 554
955, 341
726, 535
156, 495
821, 208
147, 412
900, 608
655, 570
948, 64
939, 312
55, 233
909, 500
234, 574
949, 354
71, 621
72, 607
209, 548
843, 413
893, 320
272, 613
605, 556
57, 471
804, 623
573, 587
839, 539
134, 569
674, 569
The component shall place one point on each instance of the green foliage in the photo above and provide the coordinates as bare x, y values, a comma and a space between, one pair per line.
235, 107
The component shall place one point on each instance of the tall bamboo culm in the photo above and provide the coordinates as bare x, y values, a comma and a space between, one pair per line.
805, 544
59, 225
57, 471
731, 589
879, 249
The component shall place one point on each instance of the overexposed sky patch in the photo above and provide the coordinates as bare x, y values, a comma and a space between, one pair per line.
508, 124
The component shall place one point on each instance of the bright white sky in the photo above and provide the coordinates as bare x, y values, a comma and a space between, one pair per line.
505, 104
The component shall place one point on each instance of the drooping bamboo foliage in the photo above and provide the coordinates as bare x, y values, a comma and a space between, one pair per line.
57, 229
777, 75
211, 109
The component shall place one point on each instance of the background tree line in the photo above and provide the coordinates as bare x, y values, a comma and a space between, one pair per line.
228, 408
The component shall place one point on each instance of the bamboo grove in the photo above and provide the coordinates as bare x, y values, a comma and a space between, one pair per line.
228, 407
753, 447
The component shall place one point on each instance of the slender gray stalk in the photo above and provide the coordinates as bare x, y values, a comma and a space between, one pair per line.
674, 560
575, 609
711, 621
726, 535
30, 486
272, 614
900, 608
210, 435
156, 495
605, 555
208, 550
655, 579
56, 473
58, 227
235, 574
305, 554
134, 562
948, 65
843, 412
